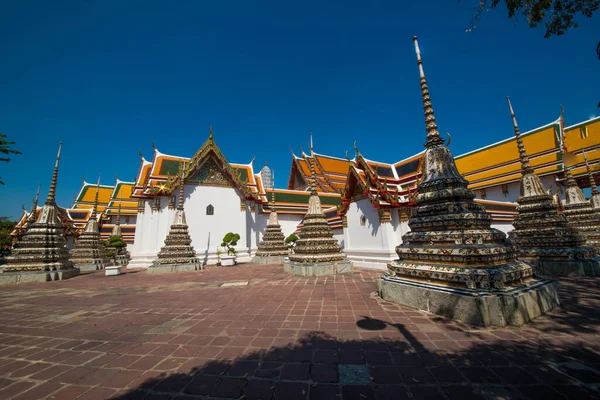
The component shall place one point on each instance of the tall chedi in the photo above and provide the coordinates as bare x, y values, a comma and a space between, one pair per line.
452, 262
580, 213
177, 254
595, 199
88, 253
40, 254
316, 252
542, 234
272, 249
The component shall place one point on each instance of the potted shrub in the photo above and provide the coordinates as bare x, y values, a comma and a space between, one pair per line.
229, 242
290, 241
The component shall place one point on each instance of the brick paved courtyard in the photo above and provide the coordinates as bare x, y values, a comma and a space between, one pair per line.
253, 332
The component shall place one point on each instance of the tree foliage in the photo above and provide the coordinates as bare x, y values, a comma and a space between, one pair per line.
230, 241
5, 149
557, 15
291, 240
6, 227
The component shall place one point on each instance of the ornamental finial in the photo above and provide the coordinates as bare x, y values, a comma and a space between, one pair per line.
311, 145
118, 221
32, 216
356, 149
525, 165
273, 190
433, 136
51, 199
95, 207
347, 157
210, 133
181, 187
140, 153
591, 176
153, 146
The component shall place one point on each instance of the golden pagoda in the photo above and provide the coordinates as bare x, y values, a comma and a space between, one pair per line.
452, 262
542, 234
178, 254
40, 253
316, 252
88, 253
272, 249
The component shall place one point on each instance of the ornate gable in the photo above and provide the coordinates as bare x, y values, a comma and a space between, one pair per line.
209, 167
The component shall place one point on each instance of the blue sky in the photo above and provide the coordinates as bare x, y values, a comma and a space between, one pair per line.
109, 77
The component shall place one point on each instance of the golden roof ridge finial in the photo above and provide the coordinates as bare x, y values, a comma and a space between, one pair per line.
140, 153
154, 146
591, 176
51, 199
181, 188
210, 133
526, 167
95, 207
356, 151
33, 214
433, 136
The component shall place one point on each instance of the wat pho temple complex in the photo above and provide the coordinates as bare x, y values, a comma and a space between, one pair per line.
489, 221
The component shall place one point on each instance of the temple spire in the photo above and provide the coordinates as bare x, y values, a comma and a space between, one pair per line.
181, 187
273, 190
589, 171
51, 200
95, 208
311, 145
33, 214
525, 165
433, 136
118, 221
210, 134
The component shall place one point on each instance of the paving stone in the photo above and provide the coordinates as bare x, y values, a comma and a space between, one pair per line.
291, 391
259, 389
358, 392
324, 373
202, 385
391, 392
295, 372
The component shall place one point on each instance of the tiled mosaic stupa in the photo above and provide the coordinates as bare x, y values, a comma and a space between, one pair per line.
542, 234
40, 254
452, 262
88, 253
177, 254
272, 249
595, 199
316, 251
580, 213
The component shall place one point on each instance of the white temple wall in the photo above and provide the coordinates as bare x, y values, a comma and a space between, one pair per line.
289, 223
504, 226
207, 231
369, 245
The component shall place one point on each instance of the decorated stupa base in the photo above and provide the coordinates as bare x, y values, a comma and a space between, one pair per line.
452, 263
272, 250
583, 217
317, 252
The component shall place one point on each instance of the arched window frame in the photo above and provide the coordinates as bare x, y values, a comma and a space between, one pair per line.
210, 210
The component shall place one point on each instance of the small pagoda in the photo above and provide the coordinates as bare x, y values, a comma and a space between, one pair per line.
580, 213
40, 253
178, 254
595, 199
542, 234
316, 252
88, 253
452, 262
272, 249
122, 255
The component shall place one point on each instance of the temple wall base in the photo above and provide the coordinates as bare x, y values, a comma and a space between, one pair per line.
341, 267
141, 260
516, 306
92, 266
369, 258
269, 260
41, 276
588, 267
166, 268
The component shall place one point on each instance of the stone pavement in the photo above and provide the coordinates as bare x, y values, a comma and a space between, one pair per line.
254, 332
